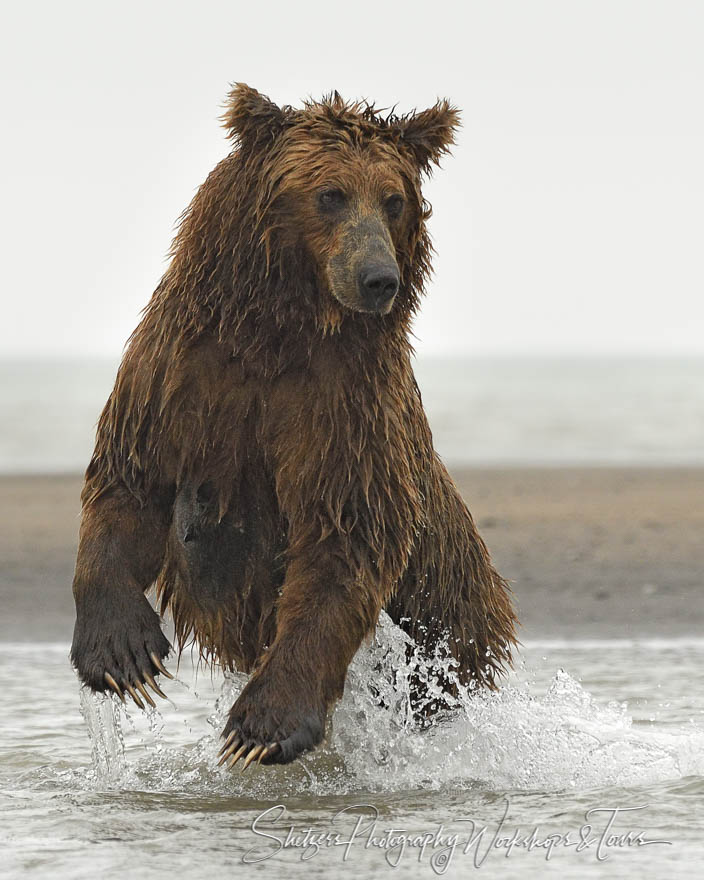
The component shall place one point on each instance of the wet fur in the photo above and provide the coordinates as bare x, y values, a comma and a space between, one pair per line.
264, 457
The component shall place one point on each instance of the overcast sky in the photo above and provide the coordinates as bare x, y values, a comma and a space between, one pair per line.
570, 217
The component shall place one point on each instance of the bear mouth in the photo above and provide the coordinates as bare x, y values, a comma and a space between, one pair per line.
354, 301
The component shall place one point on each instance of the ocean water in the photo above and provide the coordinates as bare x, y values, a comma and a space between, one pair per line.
589, 761
482, 411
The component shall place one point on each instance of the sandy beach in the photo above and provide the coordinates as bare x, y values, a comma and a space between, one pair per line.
590, 552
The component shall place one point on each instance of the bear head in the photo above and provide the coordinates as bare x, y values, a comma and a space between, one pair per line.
341, 182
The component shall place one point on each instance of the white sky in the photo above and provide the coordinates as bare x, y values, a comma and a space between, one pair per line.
569, 219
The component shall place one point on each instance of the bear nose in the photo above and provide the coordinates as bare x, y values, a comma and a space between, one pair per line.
379, 284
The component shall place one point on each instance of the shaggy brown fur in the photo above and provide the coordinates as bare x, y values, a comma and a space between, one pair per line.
264, 457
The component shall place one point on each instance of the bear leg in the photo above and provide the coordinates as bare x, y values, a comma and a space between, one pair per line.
453, 602
322, 617
117, 641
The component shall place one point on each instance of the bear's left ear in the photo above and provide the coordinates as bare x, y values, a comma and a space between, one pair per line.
430, 133
249, 114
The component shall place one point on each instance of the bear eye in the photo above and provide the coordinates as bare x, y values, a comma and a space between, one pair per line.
331, 198
394, 205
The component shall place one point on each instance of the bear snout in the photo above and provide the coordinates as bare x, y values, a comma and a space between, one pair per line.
378, 285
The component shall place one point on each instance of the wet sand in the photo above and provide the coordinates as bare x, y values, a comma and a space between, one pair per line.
590, 552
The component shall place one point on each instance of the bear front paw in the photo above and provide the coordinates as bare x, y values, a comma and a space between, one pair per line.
118, 645
271, 726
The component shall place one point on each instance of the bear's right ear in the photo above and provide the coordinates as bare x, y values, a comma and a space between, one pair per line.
429, 134
248, 114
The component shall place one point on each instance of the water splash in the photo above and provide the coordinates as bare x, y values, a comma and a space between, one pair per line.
102, 717
518, 738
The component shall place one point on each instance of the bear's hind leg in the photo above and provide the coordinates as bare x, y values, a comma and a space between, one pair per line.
452, 600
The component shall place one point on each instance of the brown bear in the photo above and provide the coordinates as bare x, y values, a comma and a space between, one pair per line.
264, 458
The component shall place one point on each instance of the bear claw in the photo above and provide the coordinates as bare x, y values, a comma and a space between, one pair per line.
234, 749
252, 754
115, 686
154, 686
270, 749
133, 693
160, 666
140, 687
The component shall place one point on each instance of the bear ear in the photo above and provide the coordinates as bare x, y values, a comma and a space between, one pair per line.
249, 114
429, 134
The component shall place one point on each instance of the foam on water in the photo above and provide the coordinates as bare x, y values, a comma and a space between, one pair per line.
518, 738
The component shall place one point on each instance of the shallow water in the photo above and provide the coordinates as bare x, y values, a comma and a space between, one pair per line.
88, 789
